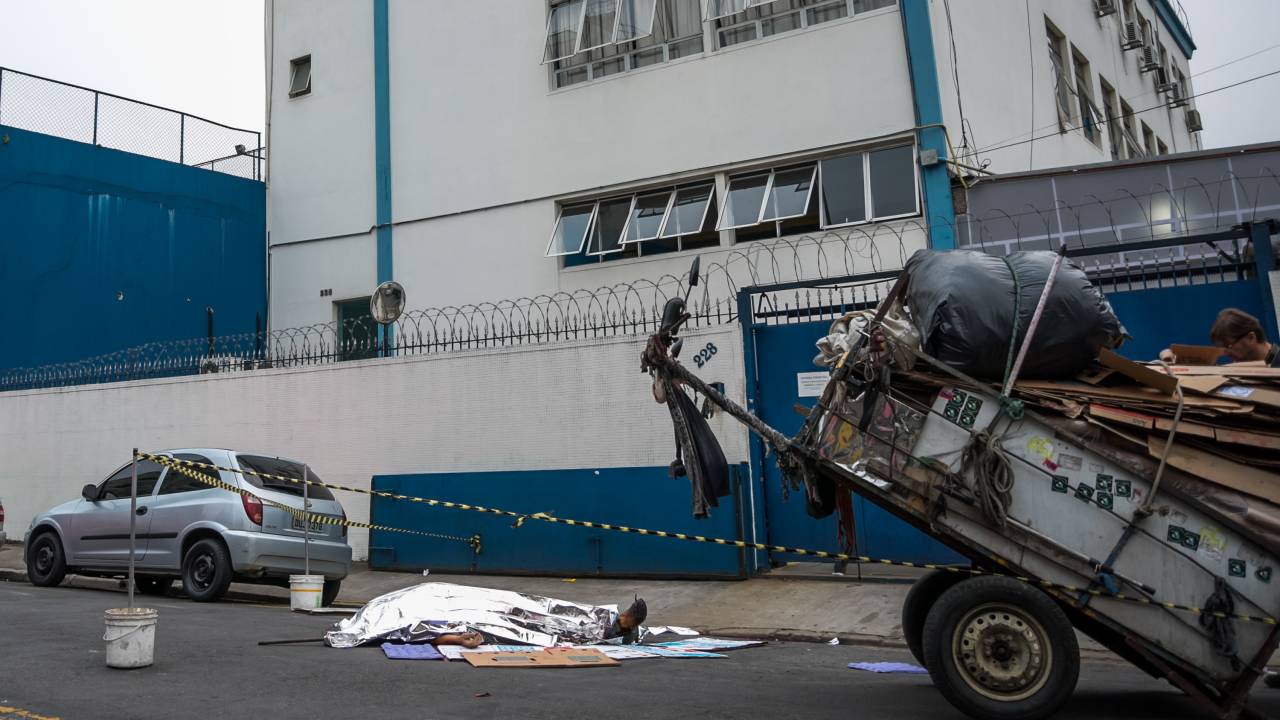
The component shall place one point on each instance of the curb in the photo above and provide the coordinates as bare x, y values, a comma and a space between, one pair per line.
770, 634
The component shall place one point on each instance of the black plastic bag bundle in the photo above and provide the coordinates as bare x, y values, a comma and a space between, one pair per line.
962, 302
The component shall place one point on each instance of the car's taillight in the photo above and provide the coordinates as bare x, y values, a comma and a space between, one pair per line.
252, 508
344, 521
2, 515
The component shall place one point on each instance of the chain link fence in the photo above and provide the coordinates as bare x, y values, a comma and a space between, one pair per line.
38, 104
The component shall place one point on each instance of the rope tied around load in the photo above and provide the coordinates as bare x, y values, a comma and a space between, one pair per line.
984, 457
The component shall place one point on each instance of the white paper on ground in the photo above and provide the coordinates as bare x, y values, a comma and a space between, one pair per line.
664, 629
455, 652
620, 652
710, 644
667, 652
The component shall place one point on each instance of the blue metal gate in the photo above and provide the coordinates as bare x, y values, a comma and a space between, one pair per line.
1165, 291
1170, 290
781, 323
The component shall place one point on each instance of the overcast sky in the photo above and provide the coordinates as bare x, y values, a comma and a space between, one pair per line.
206, 56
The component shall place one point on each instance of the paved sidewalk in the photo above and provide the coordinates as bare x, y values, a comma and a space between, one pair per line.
802, 601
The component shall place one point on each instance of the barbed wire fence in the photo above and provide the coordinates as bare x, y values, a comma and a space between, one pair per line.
72, 112
837, 271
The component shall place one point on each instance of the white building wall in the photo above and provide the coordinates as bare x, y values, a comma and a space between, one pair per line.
569, 405
477, 129
484, 150
483, 147
1007, 79
320, 145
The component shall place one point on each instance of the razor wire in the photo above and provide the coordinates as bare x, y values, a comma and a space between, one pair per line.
519, 519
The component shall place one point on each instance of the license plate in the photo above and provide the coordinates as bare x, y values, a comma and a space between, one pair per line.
317, 528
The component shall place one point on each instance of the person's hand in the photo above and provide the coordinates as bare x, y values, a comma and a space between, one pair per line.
1167, 356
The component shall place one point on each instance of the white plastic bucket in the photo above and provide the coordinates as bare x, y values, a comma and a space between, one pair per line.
130, 636
305, 591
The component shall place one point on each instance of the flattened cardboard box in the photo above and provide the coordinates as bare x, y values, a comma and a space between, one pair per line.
567, 658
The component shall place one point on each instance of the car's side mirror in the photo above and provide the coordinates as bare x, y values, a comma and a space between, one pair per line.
90, 493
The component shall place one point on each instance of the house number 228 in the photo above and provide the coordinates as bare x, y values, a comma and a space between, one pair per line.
705, 354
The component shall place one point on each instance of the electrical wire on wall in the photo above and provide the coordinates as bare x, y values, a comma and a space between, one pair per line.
1031, 134
1031, 60
1105, 121
965, 149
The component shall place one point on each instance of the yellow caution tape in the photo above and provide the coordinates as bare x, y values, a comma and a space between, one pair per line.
520, 518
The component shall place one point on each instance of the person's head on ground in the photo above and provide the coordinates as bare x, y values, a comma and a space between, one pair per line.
1240, 335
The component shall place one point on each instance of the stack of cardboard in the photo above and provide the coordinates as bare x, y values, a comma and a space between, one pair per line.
1229, 432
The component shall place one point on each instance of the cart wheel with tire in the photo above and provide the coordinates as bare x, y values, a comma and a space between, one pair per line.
999, 649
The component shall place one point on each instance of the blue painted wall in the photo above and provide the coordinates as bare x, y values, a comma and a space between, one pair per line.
1158, 317
79, 225
638, 497
782, 351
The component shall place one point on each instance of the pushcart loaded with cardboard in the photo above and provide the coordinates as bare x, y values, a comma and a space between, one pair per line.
980, 402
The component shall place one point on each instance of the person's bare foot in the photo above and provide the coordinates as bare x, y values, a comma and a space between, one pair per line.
467, 640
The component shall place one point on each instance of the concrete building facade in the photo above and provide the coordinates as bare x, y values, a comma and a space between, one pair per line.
497, 149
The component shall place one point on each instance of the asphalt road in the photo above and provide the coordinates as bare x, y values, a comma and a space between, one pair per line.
208, 665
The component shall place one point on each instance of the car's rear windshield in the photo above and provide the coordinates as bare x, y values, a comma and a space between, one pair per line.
285, 468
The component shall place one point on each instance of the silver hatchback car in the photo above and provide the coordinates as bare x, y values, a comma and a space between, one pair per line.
187, 529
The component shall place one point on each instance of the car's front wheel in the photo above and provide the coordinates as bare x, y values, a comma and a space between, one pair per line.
206, 570
46, 563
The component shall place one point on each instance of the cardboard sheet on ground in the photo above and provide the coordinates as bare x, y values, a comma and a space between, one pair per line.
549, 658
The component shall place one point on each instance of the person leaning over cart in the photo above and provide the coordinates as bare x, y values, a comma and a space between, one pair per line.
1241, 337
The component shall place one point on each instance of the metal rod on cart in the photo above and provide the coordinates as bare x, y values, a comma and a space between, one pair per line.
1035, 321
133, 520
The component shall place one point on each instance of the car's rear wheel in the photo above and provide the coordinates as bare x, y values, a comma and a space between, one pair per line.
46, 563
331, 588
206, 570
154, 585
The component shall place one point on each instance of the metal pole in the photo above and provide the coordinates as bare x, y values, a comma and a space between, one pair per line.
306, 521
182, 138
133, 520
95, 118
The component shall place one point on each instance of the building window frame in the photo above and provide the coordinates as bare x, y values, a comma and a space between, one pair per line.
618, 57
806, 10
716, 184
1088, 110
297, 65
1062, 90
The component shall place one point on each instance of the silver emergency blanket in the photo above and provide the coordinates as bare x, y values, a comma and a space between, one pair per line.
423, 612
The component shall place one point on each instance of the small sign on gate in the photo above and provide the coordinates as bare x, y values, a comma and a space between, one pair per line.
811, 384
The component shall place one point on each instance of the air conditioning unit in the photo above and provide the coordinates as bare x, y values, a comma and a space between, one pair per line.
1148, 60
1162, 80
1104, 7
1130, 36
1193, 121
1176, 99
